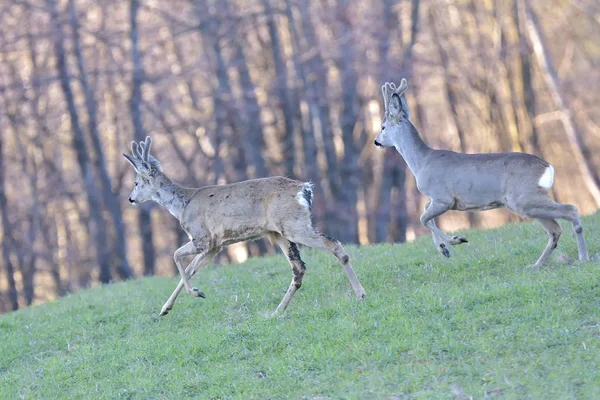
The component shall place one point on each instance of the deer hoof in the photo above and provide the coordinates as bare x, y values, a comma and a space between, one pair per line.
459, 240
164, 312
198, 293
444, 250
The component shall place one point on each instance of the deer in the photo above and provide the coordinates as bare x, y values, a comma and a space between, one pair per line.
520, 182
216, 216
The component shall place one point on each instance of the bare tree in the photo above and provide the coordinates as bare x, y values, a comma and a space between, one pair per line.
580, 152
7, 239
286, 95
78, 143
111, 201
318, 99
254, 144
309, 145
135, 101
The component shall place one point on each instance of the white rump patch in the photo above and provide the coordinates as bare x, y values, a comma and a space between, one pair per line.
305, 196
302, 200
547, 179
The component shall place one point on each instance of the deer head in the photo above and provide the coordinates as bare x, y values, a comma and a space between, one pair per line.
147, 170
395, 116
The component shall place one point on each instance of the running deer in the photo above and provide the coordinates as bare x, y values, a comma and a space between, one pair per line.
216, 216
465, 182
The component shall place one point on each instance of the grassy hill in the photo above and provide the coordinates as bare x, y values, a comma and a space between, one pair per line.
481, 324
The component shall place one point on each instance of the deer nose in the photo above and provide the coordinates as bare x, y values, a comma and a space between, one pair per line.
131, 200
377, 143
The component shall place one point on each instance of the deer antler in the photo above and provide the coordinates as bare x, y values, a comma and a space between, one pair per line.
402, 88
141, 155
135, 151
141, 151
145, 146
387, 89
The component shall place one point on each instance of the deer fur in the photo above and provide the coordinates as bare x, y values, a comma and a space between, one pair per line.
217, 216
467, 182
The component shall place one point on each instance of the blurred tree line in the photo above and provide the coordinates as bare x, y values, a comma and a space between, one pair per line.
237, 89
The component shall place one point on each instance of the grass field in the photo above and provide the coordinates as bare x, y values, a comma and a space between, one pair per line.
480, 325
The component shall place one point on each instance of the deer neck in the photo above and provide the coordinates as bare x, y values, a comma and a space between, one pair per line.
172, 196
412, 148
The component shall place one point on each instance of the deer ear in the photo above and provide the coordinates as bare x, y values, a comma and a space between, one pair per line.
139, 166
131, 161
405, 107
395, 105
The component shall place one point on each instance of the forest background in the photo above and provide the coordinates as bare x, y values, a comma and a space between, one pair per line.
237, 89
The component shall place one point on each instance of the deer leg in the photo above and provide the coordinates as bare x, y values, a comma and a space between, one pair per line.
453, 240
336, 248
545, 208
311, 238
572, 215
186, 250
554, 231
581, 248
434, 209
199, 261
432, 227
290, 250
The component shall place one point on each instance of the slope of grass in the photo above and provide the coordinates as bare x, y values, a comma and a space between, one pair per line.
481, 324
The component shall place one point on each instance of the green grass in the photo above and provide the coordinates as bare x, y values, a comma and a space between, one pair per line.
481, 324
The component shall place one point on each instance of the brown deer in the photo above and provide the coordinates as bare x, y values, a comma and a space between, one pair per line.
464, 182
217, 216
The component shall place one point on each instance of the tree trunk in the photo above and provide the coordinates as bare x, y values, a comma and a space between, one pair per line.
393, 176
111, 201
49, 237
349, 171
309, 146
27, 230
394, 167
25, 249
254, 142
78, 143
580, 152
398, 174
527, 128
43, 134
318, 100
7, 239
145, 220
286, 97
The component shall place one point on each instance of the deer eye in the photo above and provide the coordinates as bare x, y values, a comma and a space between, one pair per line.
135, 184
382, 127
